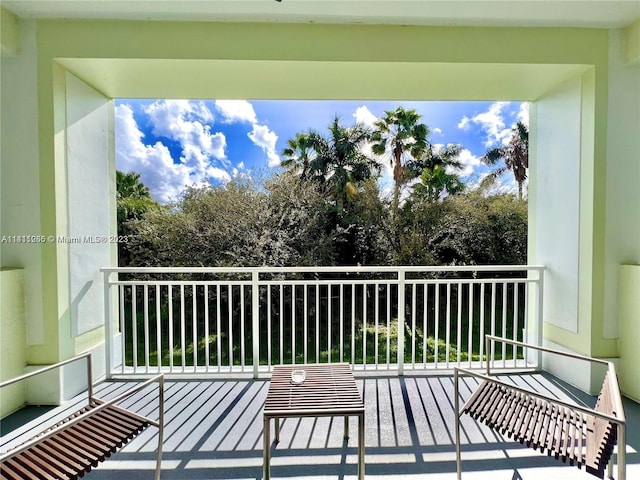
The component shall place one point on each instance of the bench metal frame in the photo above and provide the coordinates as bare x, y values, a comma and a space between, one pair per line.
619, 419
50, 432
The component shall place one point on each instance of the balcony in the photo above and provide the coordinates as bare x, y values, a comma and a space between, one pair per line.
402, 330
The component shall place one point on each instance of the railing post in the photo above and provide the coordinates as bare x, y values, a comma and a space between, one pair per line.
108, 326
540, 316
401, 309
255, 320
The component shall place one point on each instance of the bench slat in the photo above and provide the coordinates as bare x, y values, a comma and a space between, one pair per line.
105, 430
513, 415
521, 425
92, 439
69, 446
125, 425
16, 470
563, 448
46, 469
501, 411
53, 460
54, 451
81, 437
34, 470
489, 404
536, 427
549, 428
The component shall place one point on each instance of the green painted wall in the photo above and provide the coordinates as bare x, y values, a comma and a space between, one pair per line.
631, 43
629, 302
9, 32
19, 178
13, 338
347, 61
623, 176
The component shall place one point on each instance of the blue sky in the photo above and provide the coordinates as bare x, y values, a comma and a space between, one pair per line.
174, 143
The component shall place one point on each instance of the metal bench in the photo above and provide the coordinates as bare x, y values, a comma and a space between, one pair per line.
72, 447
572, 433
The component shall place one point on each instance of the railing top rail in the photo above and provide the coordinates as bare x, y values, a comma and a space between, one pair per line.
576, 356
48, 368
316, 269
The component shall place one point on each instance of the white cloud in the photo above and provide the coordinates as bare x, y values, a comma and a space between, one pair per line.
492, 124
468, 160
236, 111
437, 131
186, 122
523, 113
266, 140
165, 179
242, 111
469, 163
364, 116
219, 174
464, 123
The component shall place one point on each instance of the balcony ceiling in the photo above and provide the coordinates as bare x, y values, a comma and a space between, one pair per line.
515, 13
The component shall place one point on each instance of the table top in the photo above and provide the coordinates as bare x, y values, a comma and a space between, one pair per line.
329, 389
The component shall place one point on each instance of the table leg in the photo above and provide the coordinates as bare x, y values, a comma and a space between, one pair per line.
277, 440
346, 426
361, 446
266, 455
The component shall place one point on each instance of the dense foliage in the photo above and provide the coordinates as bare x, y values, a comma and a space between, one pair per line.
287, 221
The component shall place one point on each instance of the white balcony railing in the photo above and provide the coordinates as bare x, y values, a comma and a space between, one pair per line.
244, 320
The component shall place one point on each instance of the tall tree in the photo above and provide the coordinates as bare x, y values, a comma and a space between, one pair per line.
335, 161
299, 157
515, 155
436, 181
436, 170
446, 156
128, 185
399, 136
341, 160
133, 200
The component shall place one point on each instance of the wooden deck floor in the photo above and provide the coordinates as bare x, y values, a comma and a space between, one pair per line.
214, 431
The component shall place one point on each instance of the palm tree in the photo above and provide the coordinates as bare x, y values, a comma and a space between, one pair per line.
435, 181
133, 200
299, 156
399, 136
436, 170
446, 156
340, 161
128, 185
515, 155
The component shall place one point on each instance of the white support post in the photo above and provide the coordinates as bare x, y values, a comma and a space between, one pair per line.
540, 316
401, 308
255, 320
456, 402
622, 452
108, 325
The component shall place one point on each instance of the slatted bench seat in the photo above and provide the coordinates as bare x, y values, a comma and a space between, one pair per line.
73, 446
572, 433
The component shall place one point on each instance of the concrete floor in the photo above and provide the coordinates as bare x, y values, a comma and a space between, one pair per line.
214, 431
